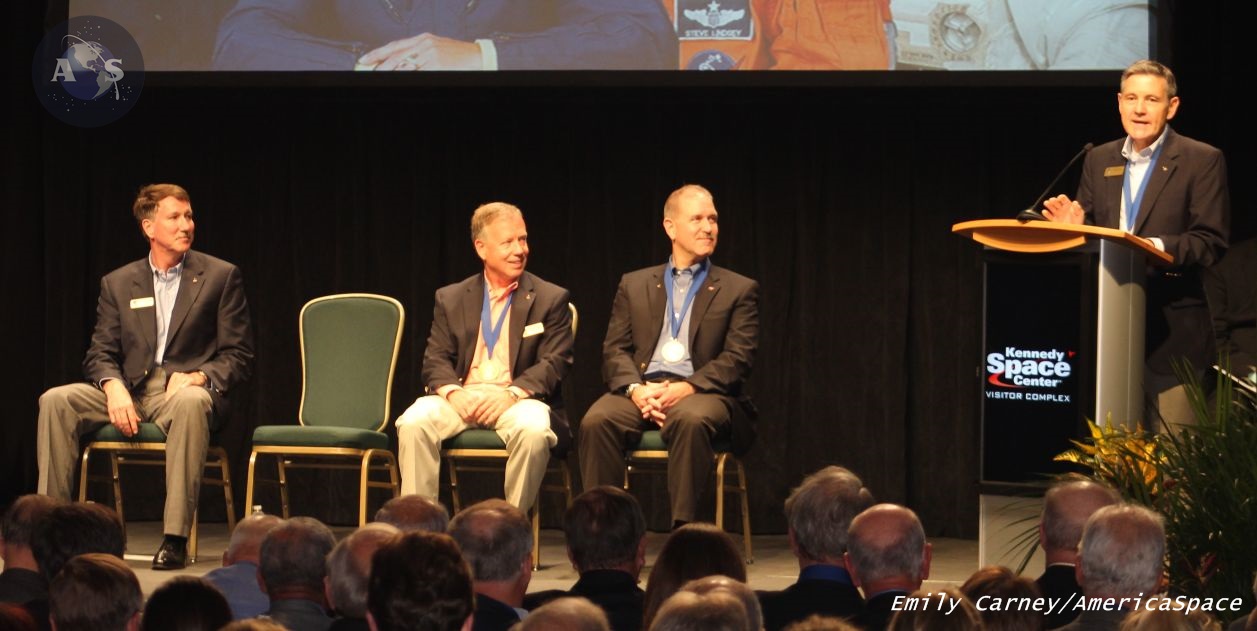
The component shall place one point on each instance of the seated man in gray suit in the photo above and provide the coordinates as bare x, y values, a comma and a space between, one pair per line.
172, 339
676, 358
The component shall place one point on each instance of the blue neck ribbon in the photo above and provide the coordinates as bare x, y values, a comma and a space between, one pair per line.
1132, 205
490, 331
674, 320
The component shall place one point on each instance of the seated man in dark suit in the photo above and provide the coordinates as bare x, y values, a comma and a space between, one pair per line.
676, 358
172, 338
499, 347
1066, 508
818, 514
496, 540
477, 35
606, 542
888, 557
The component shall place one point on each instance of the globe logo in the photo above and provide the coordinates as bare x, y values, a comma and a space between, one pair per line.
88, 71
92, 69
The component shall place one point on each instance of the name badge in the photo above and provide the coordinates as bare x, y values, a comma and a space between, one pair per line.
1115, 171
536, 328
142, 303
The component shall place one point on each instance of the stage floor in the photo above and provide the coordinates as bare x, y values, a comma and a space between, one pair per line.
774, 567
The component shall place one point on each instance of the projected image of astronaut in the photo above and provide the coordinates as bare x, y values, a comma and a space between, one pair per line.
783, 34
445, 35
1022, 34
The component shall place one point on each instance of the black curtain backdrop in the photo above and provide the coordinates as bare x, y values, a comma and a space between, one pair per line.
839, 200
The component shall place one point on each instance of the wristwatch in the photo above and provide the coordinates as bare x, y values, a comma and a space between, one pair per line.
628, 391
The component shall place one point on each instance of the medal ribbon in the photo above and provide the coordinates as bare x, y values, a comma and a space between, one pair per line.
490, 331
674, 321
1132, 205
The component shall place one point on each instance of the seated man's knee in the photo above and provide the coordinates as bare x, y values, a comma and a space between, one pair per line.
422, 410
192, 399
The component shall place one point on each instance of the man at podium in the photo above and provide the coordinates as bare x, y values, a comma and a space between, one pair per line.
1171, 191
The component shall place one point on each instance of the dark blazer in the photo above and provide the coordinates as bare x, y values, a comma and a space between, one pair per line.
209, 327
539, 362
724, 333
528, 34
1097, 621
807, 597
614, 591
878, 610
1187, 205
492, 615
1059, 582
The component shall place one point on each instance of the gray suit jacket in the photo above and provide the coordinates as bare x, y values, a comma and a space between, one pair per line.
209, 329
1188, 207
539, 362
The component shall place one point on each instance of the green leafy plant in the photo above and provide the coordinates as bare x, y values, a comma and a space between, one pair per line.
1201, 478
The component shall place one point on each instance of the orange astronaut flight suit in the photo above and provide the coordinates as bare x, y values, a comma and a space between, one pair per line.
781, 34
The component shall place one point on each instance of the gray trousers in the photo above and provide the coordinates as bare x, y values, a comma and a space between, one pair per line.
67, 412
614, 421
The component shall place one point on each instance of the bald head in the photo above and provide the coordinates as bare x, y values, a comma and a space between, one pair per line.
673, 202
246, 539
1066, 508
886, 543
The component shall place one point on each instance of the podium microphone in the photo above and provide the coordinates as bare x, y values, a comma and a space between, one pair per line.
1031, 214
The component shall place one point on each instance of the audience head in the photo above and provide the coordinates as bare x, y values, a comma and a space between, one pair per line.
566, 614
246, 539
14, 617
349, 568
69, 530
1171, 618
942, 610
254, 624
737, 589
1066, 507
817, 622
293, 556
496, 539
1122, 552
713, 611
820, 510
95, 592
1000, 584
692, 551
420, 582
186, 603
886, 549
409, 513
18, 526
606, 530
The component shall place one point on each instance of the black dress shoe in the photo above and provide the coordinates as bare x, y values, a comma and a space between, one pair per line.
171, 556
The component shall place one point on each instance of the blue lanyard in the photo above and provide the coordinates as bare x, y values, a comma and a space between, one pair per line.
487, 329
674, 321
1132, 205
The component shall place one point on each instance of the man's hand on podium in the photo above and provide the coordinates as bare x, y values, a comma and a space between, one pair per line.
1062, 209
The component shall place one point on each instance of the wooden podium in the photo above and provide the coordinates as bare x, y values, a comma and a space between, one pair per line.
1062, 341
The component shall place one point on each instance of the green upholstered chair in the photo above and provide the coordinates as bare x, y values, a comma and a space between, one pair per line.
349, 346
473, 450
148, 448
652, 450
